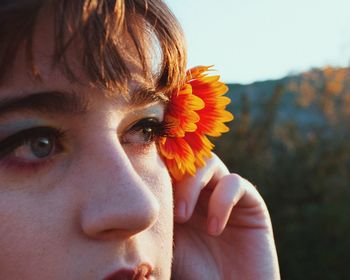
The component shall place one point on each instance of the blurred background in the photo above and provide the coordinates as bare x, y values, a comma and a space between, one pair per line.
286, 63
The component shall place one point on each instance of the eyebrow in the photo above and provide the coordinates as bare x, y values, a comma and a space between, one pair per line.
59, 102
46, 102
144, 96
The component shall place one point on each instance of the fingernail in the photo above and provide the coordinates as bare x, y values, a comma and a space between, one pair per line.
213, 226
181, 209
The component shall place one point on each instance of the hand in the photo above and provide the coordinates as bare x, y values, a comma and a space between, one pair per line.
222, 228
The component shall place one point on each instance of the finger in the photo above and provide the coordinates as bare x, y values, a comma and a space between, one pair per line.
186, 191
233, 191
226, 194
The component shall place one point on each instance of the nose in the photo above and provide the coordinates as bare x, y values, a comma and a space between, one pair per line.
118, 201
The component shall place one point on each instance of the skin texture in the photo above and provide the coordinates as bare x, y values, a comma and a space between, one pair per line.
224, 231
102, 203
105, 200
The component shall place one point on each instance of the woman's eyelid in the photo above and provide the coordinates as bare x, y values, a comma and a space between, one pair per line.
145, 121
14, 141
153, 111
138, 126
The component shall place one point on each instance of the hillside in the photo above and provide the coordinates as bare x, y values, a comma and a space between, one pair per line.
291, 139
319, 98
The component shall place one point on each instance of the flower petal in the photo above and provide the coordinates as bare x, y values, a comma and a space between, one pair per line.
196, 111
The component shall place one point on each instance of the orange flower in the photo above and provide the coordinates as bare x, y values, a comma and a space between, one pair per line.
196, 111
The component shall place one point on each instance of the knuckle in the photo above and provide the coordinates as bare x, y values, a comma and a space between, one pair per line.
235, 179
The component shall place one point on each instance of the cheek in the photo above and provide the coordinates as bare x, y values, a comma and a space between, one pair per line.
151, 168
154, 173
164, 228
28, 232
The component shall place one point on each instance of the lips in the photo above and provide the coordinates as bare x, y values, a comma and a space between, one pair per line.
141, 272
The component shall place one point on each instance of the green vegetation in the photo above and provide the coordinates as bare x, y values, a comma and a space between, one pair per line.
291, 139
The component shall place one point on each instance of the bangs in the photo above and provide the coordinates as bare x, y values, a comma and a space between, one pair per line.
107, 35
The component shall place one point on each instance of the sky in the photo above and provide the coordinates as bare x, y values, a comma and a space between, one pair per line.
254, 40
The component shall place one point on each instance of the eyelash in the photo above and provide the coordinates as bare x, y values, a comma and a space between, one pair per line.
157, 129
13, 142
8, 146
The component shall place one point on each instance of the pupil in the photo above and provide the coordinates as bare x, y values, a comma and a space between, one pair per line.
42, 146
148, 133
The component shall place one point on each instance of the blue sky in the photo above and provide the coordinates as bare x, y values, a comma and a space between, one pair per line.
250, 40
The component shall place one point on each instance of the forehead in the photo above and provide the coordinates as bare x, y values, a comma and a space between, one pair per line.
21, 79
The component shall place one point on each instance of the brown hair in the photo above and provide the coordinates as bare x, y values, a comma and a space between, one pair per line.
99, 26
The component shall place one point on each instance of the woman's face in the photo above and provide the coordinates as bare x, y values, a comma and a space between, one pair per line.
83, 191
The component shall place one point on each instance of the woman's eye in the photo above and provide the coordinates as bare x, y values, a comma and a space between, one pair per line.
35, 148
144, 131
32, 144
